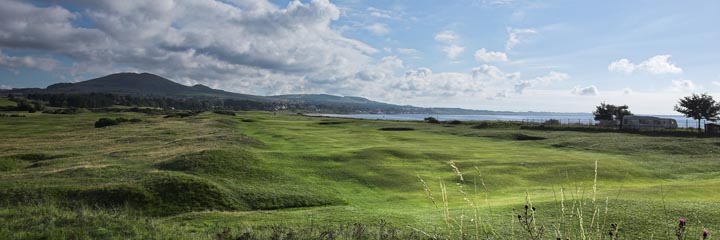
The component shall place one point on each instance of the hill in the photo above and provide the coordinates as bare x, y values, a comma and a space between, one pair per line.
144, 84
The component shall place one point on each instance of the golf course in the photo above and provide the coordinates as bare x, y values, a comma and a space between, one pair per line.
262, 175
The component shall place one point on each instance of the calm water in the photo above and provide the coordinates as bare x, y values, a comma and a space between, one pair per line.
564, 118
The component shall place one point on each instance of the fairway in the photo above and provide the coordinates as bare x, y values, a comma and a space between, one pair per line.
199, 176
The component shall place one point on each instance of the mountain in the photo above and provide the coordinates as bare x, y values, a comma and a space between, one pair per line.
143, 85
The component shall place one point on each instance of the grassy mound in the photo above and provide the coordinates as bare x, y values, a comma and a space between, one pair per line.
216, 162
263, 197
175, 193
524, 137
20, 161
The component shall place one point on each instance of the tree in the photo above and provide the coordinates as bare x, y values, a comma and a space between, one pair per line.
698, 107
431, 120
611, 112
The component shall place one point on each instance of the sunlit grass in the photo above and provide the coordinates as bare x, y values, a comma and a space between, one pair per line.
293, 171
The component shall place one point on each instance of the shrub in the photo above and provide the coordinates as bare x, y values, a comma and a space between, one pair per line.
396, 129
431, 120
11, 115
224, 112
65, 111
135, 120
182, 114
496, 124
455, 122
104, 122
552, 122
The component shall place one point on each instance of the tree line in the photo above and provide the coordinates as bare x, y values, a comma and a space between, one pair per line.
32, 102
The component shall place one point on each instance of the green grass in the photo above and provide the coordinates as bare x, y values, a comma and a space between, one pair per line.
4, 102
265, 174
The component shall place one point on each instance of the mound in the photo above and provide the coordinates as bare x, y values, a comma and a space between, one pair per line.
285, 196
173, 193
523, 137
20, 161
216, 162
113, 196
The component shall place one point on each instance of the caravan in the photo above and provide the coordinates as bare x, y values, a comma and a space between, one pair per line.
647, 122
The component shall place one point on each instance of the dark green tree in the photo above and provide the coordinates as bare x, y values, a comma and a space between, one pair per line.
698, 107
611, 112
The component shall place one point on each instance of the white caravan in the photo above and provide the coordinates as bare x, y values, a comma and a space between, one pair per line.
647, 122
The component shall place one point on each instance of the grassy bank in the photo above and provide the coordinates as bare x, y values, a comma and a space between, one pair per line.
264, 175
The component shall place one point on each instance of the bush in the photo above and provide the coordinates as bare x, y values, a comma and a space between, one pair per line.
431, 120
552, 122
224, 112
105, 122
65, 111
11, 115
455, 122
496, 124
135, 120
182, 114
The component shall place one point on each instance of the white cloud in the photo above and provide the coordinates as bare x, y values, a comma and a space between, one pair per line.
385, 69
516, 36
543, 80
407, 51
496, 3
380, 13
716, 83
13, 62
378, 29
488, 73
622, 65
5, 87
446, 37
423, 82
483, 55
585, 91
658, 64
453, 51
683, 85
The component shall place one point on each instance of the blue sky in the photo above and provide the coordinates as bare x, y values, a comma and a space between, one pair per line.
480, 54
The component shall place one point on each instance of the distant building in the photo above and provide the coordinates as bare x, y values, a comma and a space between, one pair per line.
647, 122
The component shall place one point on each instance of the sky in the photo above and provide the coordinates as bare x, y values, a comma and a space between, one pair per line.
516, 55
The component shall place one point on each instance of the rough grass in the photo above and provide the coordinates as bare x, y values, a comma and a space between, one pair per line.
196, 177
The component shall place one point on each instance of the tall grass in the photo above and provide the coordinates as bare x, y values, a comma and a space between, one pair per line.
586, 218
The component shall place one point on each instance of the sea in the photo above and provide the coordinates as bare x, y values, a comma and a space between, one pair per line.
580, 118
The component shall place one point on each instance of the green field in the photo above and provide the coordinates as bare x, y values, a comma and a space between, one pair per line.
294, 176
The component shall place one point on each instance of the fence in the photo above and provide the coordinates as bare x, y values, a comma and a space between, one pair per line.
683, 124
